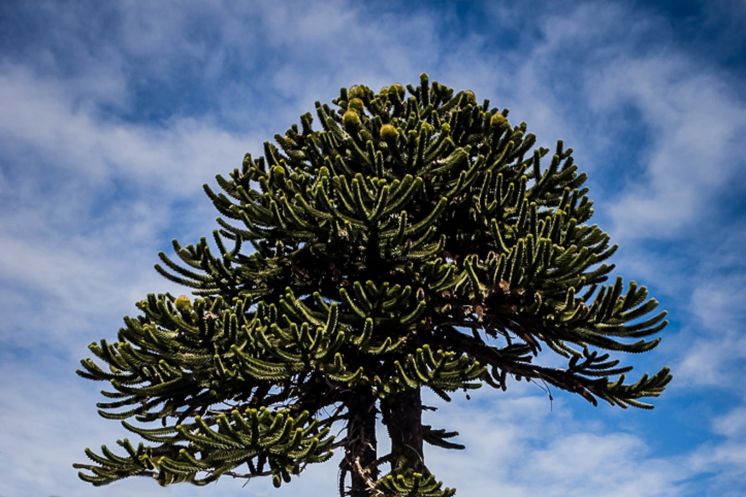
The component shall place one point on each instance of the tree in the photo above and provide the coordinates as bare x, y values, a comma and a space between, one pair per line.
411, 242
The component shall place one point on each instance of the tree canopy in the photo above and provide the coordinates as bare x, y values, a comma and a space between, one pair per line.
413, 239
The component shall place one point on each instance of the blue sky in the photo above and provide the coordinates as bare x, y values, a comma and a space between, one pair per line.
113, 114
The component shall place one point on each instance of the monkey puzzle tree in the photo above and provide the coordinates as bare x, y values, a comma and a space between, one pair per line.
414, 241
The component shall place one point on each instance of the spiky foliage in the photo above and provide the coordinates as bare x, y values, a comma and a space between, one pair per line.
411, 241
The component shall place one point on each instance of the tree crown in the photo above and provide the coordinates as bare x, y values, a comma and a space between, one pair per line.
415, 240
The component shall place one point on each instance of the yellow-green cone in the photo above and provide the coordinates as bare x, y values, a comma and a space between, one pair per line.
497, 119
388, 132
355, 104
183, 303
351, 119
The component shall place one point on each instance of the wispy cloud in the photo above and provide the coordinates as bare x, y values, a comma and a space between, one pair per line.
724, 458
696, 125
41, 121
518, 447
85, 202
603, 72
715, 354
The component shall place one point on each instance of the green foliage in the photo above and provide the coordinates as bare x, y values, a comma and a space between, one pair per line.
409, 242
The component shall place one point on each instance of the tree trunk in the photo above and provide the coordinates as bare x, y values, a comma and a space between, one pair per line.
360, 450
402, 414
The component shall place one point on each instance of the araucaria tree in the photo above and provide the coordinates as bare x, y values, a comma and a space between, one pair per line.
413, 239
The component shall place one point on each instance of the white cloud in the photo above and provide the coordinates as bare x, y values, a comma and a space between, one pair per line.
732, 424
723, 459
714, 353
39, 120
85, 201
696, 126
601, 59
517, 447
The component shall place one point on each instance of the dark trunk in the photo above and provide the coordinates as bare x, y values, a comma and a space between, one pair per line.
402, 414
360, 450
